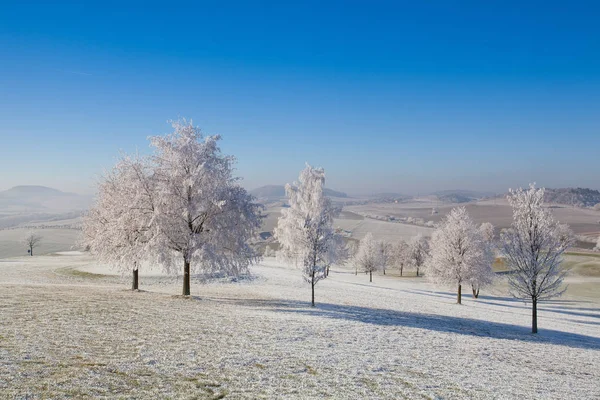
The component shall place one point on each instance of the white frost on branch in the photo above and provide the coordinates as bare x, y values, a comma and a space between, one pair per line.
459, 253
203, 216
305, 228
533, 249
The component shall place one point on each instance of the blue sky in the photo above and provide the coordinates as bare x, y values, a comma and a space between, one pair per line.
387, 96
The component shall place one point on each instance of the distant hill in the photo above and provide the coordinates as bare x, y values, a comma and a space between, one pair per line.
41, 199
579, 197
461, 196
278, 191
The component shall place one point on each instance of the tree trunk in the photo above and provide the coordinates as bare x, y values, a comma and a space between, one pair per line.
417, 271
370, 276
475, 292
134, 285
400, 271
534, 316
384, 271
186, 277
31, 251
459, 295
312, 284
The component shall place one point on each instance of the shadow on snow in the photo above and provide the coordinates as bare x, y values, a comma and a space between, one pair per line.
439, 323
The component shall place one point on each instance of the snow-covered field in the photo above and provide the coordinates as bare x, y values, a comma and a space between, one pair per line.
68, 333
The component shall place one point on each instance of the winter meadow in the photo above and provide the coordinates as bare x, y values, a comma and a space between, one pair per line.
176, 288
374, 200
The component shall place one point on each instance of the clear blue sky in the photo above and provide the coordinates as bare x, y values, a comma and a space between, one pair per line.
397, 96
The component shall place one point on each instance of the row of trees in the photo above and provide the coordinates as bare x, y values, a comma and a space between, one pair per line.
372, 255
180, 207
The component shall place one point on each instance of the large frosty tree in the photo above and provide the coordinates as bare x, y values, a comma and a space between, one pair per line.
459, 253
119, 226
305, 228
204, 218
533, 249
418, 251
368, 257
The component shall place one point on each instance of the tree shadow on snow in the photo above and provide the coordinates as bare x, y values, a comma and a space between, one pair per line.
439, 323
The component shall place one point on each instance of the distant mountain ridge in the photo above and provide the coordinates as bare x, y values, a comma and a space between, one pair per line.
278, 192
580, 197
31, 198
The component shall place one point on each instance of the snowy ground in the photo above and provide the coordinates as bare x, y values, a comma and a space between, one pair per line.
68, 333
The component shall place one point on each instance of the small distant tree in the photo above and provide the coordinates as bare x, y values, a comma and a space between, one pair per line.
418, 251
400, 255
369, 254
533, 249
351, 251
385, 255
118, 227
305, 228
459, 253
32, 240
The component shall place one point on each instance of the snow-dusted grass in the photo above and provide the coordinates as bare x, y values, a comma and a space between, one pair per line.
64, 335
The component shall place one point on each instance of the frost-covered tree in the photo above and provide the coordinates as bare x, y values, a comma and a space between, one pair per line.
203, 216
305, 228
459, 253
485, 275
32, 240
385, 255
400, 255
119, 226
488, 232
533, 249
352, 251
368, 257
418, 251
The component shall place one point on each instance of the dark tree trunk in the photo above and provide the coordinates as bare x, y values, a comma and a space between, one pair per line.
370, 276
312, 284
401, 271
186, 278
134, 285
384, 271
459, 295
417, 271
534, 316
31, 251
475, 292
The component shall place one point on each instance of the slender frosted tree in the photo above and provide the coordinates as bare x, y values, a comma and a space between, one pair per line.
305, 228
400, 255
485, 275
368, 257
533, 249
459, 253
352, 251
385, 255
119, 226
32, 240
204, 218
418, 252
